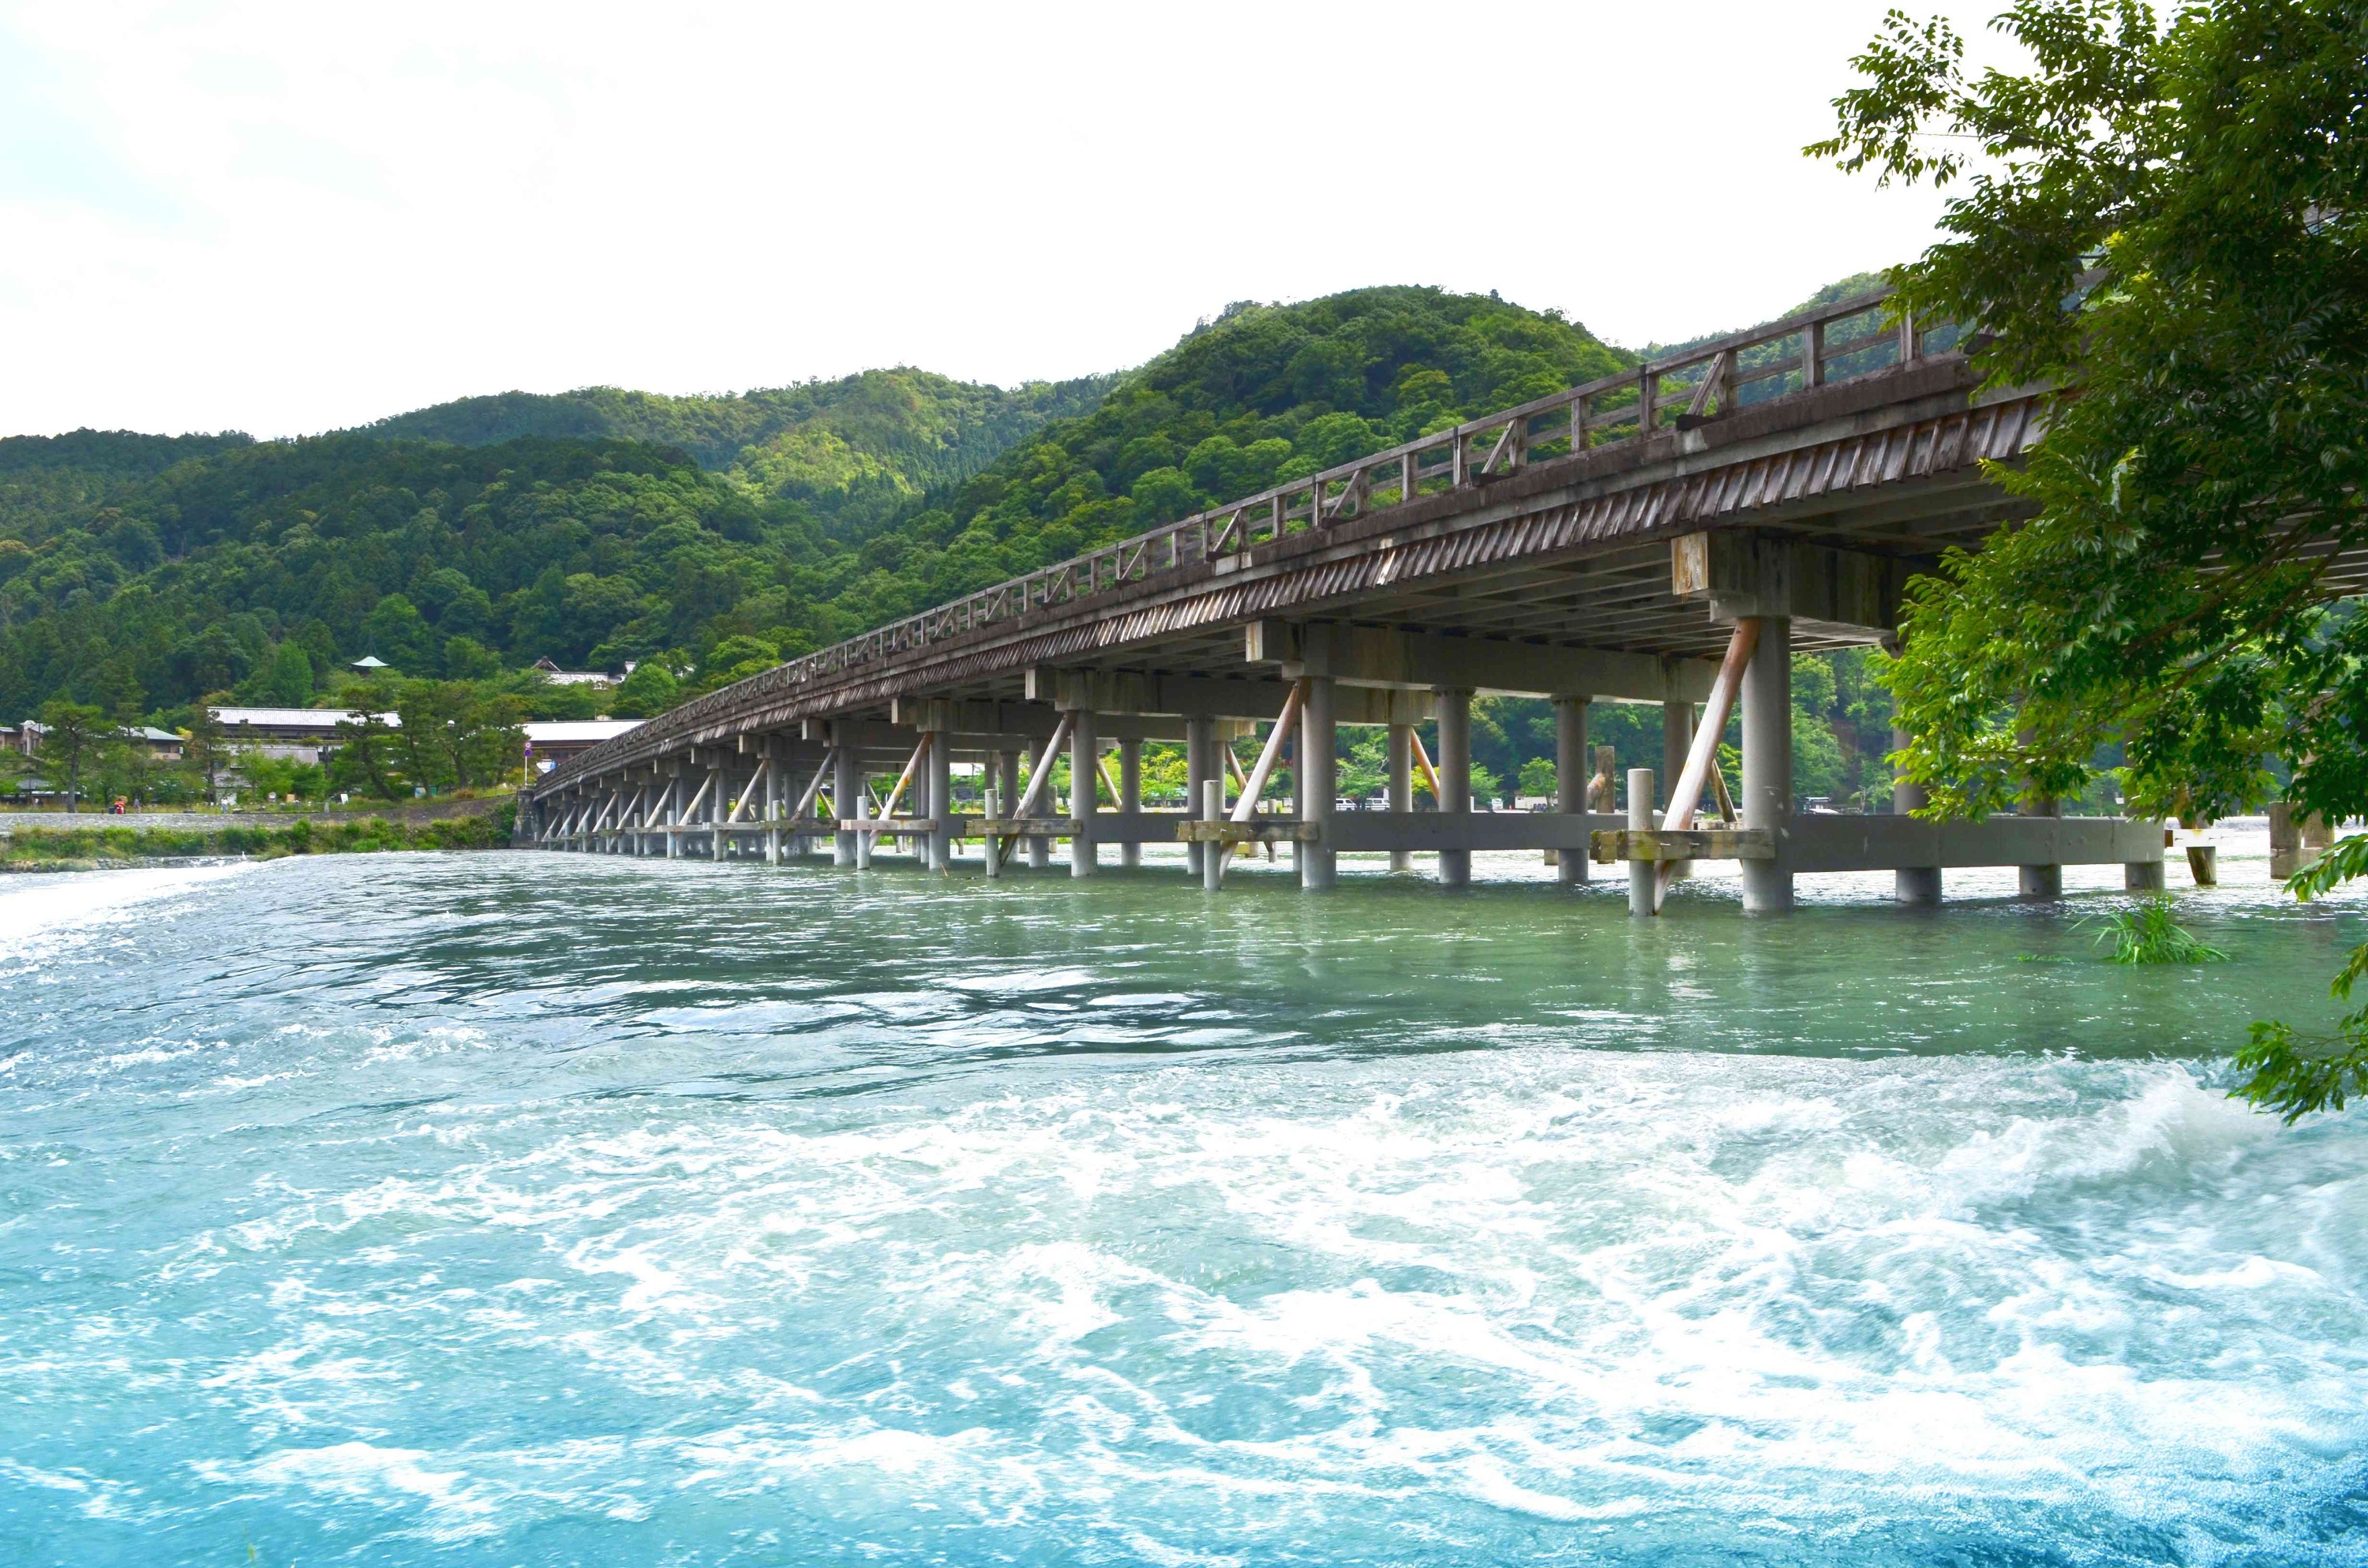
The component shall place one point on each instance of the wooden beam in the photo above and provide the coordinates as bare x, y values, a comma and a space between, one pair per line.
749, 791
1702, 757
1665, 844
1422, 761
1255, 786
1264, 830
813, 789
1038, 778
921, 752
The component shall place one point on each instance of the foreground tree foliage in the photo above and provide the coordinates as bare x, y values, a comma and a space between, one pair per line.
2163, 219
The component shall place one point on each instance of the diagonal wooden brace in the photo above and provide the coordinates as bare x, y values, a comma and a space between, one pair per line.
1702, 757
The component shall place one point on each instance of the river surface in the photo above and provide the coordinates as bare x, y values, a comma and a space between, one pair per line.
547, 1209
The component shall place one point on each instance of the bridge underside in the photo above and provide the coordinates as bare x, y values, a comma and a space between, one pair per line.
1624, 572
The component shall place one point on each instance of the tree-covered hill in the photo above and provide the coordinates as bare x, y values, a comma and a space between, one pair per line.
1264, 393
47, 478
475, 538
429, 555
857, 451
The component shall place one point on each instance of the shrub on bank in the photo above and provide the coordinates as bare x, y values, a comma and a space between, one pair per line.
366, 835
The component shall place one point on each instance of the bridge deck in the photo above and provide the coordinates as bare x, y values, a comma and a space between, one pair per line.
1606, 541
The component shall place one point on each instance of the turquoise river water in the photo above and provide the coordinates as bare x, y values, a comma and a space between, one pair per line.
554, 1209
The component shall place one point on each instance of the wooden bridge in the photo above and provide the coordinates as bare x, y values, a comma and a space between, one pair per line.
1670, 535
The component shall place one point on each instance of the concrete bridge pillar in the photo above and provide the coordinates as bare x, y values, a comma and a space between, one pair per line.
1911, 884
846, 785
1201, 764
1040, 850
720, 782
2040, 881
1003, 771
1085, 762
1677, 739
1642, 875
673, 817
1130, 795
1570, 778
772, 803
939, 846
1767, 761
1318, 775
1454, 762
1401, 785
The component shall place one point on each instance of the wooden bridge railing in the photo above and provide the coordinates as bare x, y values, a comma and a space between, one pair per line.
1821, 347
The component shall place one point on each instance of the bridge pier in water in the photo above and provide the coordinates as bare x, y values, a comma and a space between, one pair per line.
1667, 536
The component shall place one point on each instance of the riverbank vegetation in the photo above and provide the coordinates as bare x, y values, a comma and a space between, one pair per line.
2197, 190
104, 845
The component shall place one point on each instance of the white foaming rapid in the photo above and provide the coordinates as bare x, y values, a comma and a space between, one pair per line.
1655, 1295
36, 909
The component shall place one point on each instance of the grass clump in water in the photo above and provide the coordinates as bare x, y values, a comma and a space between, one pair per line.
2145, 933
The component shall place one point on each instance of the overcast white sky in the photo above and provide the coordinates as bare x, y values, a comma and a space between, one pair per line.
289, 218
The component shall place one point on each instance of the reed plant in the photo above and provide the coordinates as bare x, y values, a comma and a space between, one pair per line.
2145, 933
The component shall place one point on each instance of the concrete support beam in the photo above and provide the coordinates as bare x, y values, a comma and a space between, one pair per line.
1890, 841
1039, 851
1401, 785
1130, 795
1084, 754
1642, 874
1125, 692
1911, 884
1318, 783
773, 806
1203, 763
1677, 739
2041, 880
718, 787
989, 726
1428, 832
1392, 657
1570, 776
846, 786
1831, 593
938, 848
1455, 764
1767, 800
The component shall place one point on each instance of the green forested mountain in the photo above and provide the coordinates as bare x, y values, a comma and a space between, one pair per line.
441, 560
47, 478
453, 542
709, 538
856, 451
1264, 393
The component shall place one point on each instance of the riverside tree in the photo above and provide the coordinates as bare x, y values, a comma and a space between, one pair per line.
72, 731
2162, 218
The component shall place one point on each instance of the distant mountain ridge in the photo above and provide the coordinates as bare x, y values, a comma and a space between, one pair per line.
856, 450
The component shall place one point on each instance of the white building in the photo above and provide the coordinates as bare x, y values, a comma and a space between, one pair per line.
302, 734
